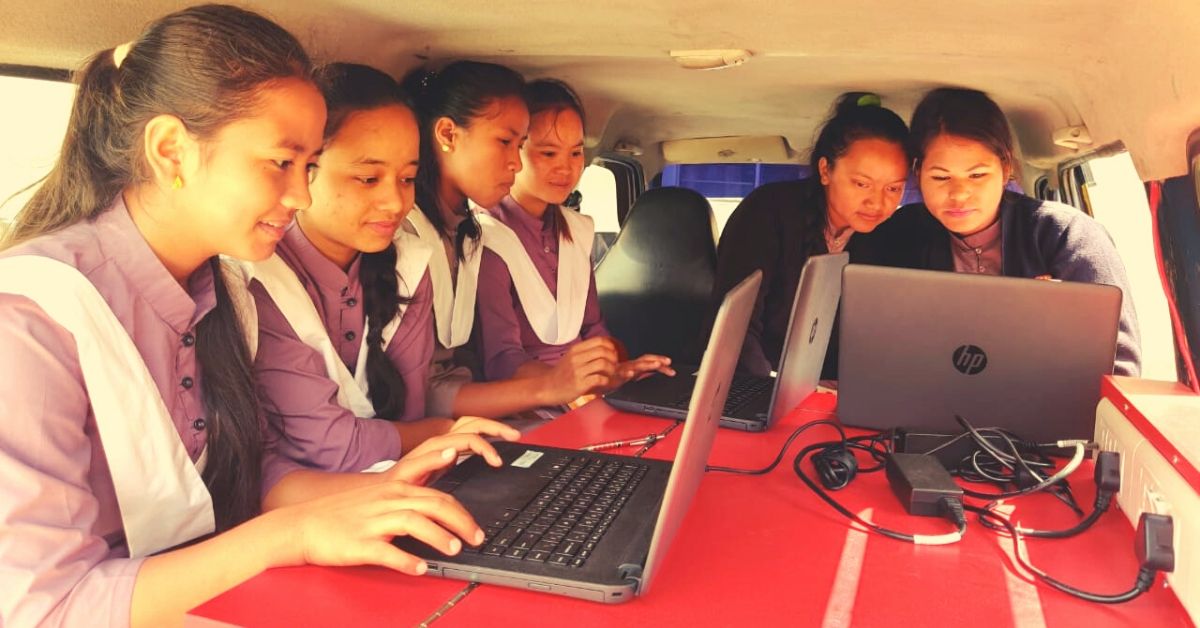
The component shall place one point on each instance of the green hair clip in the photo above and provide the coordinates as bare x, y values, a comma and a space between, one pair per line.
870, 100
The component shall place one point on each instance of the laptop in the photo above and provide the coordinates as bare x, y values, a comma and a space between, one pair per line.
1027, 355
590, 525
755, 403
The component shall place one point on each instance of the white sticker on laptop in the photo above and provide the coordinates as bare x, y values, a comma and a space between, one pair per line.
527, 459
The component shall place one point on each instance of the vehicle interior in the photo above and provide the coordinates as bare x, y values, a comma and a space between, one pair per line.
1103, 97
700, 83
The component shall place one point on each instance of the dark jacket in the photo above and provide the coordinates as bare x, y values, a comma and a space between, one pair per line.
775, 229
1037, 238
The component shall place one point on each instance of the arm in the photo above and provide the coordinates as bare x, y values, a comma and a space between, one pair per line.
1086, 253
498, 321
749, 243
593, 320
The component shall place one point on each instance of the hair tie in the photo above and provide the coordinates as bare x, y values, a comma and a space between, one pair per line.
869, 100
120, 52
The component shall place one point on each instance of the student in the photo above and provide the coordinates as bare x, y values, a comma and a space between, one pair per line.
130, 420
536, 264
970, 223
859, 167
473, 119
345, 314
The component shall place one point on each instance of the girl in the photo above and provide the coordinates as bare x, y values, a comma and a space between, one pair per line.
537, 262
970, 223
131, 425
338, 343
473, 119
860, 166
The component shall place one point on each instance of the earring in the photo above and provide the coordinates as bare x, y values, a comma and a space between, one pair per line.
445, 148
177, 184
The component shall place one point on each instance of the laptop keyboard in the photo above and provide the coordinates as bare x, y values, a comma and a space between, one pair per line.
743, 389
563, 523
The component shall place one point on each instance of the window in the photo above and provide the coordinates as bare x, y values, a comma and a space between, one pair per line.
725, 185
1111, 189
32, 129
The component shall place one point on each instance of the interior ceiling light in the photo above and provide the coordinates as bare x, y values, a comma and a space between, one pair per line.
710, 59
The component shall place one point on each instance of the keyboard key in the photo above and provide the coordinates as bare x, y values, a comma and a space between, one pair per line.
537, 555
517, 554
559, 559
545, 545
493, 550
577, 535
578, 562
526, 541
569, 547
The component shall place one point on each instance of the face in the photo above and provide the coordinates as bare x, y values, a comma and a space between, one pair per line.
864, 185
484, 157
253, 175
365, 184
962, 181
552, 158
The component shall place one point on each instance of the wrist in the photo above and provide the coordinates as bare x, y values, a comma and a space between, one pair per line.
279, 537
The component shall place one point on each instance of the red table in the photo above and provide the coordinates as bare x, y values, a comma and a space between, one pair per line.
757, 550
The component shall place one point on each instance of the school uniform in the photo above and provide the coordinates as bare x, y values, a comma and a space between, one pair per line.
1031, 238
311, 360
531, 272
454, 285
104, 423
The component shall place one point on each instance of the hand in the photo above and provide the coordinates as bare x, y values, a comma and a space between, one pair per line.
465, 436
642, 367
587, 366
356, 527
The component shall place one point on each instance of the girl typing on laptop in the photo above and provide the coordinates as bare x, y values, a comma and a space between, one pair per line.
970, 223
859, 166
537, 294
131, 425
345, 304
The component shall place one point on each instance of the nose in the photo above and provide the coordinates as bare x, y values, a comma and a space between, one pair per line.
297, 196
959, 193
514, 159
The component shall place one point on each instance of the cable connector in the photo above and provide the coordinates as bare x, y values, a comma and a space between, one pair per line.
1155, 544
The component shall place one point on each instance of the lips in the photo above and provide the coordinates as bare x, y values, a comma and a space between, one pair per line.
274, 228
384, 227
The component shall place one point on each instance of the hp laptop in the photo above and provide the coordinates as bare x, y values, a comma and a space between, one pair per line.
591, 525
755, 403
918, 347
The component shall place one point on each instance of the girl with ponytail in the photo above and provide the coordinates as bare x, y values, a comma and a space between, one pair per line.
345, 305
473, 120
859, 167
131, 424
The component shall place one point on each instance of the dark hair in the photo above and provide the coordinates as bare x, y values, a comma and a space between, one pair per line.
348, 88
207, 65
461, 91
556, 96
965, 113
856, 116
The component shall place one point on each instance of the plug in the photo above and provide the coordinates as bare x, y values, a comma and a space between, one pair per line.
921, 483
1154, 542
1108, 472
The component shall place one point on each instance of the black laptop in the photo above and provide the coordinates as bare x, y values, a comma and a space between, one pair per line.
755, 403
590, 525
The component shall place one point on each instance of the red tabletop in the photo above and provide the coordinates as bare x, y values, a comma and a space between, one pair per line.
759, 550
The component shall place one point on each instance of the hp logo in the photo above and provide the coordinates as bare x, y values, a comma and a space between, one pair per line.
970, 360
812, 333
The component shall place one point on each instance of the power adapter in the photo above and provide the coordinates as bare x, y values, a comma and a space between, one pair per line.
922, 484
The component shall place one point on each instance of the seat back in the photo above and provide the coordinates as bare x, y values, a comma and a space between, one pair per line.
655, 283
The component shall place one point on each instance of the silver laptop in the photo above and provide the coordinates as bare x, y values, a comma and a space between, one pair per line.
591, 525
919, 347
756, 403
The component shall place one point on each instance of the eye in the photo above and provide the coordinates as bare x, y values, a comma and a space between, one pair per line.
896, 189
939, 177
367, 180
408, 181
282, 164
577, 153
311, 169
548, 153
506, 142
862, 185
979, 175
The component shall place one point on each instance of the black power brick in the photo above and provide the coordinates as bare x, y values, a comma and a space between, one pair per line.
922, 484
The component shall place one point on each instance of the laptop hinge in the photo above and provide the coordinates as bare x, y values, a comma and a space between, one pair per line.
632, 574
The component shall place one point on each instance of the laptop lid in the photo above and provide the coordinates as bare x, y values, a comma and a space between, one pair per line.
809, 331
918, 347
704, 413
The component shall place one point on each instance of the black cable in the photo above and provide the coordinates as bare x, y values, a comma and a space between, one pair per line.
1108, 483
1145, 577
788, 443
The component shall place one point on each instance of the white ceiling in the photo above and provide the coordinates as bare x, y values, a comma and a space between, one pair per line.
1128, 70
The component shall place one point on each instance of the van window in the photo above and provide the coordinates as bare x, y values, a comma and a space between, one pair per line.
1116, 198
725, 185
31, 132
